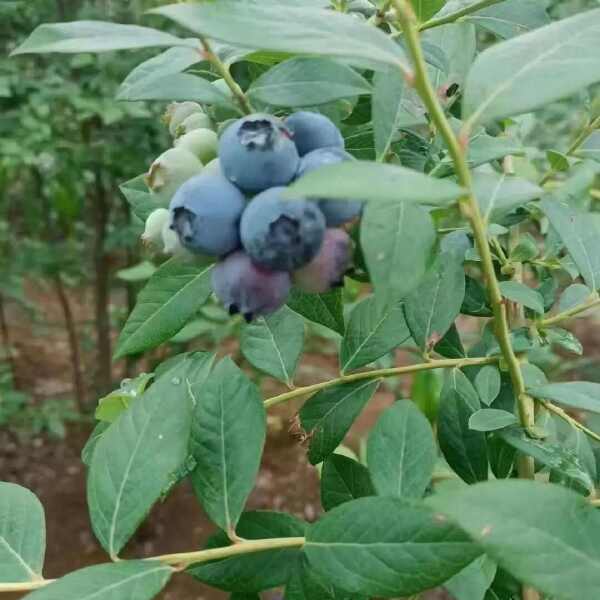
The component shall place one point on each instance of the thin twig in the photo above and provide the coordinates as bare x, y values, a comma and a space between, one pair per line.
569, 419
455, 16
567, 314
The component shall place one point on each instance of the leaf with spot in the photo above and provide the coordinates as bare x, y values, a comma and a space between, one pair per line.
228, 435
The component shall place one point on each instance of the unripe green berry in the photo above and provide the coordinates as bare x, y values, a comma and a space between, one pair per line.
178, 112
193, 122
202, 143
170, 170
213, 167
153, 231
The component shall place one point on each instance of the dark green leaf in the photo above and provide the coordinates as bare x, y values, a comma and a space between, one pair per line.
433, 306
451, 345
228, 435
582, 395
273, 344
259, 571
464, 449
139, 579
401, 452
475, 302
308, 82
328, 415
167, 302
490, 419
372, 332
386, 547
325, 309
521, 294
296, 29
397, 240
22, 534
343, 479
542, 534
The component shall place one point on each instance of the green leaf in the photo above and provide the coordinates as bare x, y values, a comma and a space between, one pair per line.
580, 234
394, 105
112, 405
558, 161
274, 344
306, 81
397, 240
464, 449
22, 535
136, 457
140, 272
531, 70
305, 584
490, 419
433, 306
325, 309
564, 339
473, 581
372, 332
425, 9
556, 457
591, 147
88, 450
487, 382
139, 579
343, 479
95, 36
167, 302
425, 393
386, 547
228, 435
521, 294
575, 294
582, 395
499, 195
141, 201
328, 415
511, 17
296, 29
365, 180
257, 571
451, 345
542, 534
475, 302
176, 87
401, 452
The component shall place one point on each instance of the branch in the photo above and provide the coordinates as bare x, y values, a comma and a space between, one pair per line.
379, 374
569, 419
223, 71
592, 302
455, 16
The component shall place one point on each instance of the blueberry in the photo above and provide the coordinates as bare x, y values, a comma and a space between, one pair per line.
205, 214
312, 130
281, 234
336, 212
246, 288
257, 152
327, 269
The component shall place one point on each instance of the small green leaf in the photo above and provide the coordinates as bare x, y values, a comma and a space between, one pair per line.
343, 479
328, 415
536, 68
376, 182
372, 332
167, 302
251, 573
303, 81
573, 296
96, 36
139, 579
487, 382
557, 160
433, 306
140, 272
475, 302
582, 395
141, 201
228, 435
473, 581
464, 449
511, 17
490, 419
564, 339
401, 452
273, 344
325, 309
22, 535
397, 240
386, 547
542, 534
112, 405
425, 9
521, 294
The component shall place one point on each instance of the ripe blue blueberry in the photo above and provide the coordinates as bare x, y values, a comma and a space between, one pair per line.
205, 213
281, 234
257, 152
312, 130
336, 212
327, 269
244, 287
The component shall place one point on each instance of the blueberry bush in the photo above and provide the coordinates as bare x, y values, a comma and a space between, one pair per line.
318, 145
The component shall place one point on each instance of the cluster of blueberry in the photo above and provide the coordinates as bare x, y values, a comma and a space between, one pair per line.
234, 210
